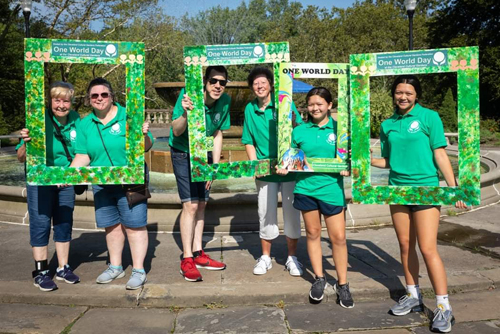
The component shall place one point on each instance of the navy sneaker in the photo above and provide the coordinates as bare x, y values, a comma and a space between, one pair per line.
67, 275
44, 282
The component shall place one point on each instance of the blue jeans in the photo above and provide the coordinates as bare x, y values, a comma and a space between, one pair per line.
188, 191
48, 204
111, 208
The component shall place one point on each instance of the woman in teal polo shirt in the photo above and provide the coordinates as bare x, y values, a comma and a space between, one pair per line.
413, 147
53, 203
101, 142
319, 194
260, 139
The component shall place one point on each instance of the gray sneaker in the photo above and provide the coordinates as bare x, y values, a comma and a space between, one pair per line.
407, 304
137, 280
109, 275
443, 320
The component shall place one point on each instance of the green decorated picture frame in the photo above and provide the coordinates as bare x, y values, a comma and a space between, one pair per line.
287, 73
37, 52
464, 62
195, 57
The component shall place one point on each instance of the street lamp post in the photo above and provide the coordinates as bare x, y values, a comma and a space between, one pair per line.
410, 9
26, 5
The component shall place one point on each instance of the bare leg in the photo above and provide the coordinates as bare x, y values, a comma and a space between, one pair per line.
405, 231
115, 240
198, 227
427, 223
336, 231
138, 240
40, 253
312, 220
187, 222
62, 250
292, 246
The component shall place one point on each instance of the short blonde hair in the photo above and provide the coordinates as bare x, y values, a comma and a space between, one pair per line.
62, 89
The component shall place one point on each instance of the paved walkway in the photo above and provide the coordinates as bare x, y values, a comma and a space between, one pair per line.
236, 301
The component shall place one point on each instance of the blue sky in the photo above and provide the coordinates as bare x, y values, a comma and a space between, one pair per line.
178, 8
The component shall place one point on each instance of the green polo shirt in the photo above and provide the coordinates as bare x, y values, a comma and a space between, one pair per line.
113, 135
409, 142
259, 130
54, 149
216, 118
319, 142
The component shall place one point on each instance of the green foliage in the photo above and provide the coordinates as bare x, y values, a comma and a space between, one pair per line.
381, 108
4, 127
448, 113
489, 131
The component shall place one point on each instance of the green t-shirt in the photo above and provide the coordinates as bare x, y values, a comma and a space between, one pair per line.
216, 118
113, 134
260, 130
409, 142
319, 142
54, 149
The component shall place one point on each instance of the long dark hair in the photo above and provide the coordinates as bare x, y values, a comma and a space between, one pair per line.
410, 80
321, 92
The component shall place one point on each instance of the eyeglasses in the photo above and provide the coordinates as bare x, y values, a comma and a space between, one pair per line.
95, 96
213, 81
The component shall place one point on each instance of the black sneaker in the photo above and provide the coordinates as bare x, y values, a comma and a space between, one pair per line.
344, 297
318, 288
44, 282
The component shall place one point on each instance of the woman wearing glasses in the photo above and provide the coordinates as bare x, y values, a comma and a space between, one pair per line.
54, 204
194, 195
101, 142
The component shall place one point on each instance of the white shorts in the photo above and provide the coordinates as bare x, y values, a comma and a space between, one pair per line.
268, 209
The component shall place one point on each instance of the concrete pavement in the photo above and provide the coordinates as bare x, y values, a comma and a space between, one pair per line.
234, 300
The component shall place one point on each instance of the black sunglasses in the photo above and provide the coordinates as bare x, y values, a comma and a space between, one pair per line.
213, 81
95, 96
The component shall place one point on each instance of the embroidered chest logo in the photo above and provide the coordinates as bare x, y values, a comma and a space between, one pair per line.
72, 135
414, 127
216, 118
116, 129
331, 139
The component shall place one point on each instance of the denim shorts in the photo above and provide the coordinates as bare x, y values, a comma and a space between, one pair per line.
415, 208
308, 203
48, 204
111, 208
188, 191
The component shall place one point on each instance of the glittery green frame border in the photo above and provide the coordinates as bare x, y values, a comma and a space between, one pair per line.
195, 57
465, 62
290, 71
37, 52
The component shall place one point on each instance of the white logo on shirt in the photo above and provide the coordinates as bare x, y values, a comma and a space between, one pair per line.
331, 139
72, 135
115, 129
216, 118
414, 127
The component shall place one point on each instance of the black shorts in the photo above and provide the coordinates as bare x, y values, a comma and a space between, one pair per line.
188, 191
308, 203
415, 208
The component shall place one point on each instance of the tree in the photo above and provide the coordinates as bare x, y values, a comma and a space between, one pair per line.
448, 113
469, 23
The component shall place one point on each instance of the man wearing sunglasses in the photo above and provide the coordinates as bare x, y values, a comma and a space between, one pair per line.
194, 195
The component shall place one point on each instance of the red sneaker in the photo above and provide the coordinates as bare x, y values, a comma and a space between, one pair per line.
204, 261
189, 271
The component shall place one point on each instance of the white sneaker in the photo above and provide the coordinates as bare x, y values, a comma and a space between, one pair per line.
293, 266
263, 265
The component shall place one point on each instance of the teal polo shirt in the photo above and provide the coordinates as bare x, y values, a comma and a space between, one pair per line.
260, 130
319, 142
54, 149
409, 141
113, 135
216, 118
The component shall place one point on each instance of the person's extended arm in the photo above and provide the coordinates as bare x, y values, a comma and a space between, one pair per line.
252, 154
179, 125
80, 160
444, 165
216, 152
148, 143
379, 162
21, 151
